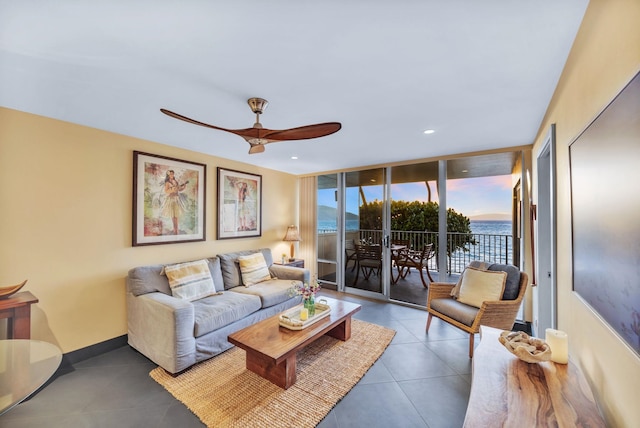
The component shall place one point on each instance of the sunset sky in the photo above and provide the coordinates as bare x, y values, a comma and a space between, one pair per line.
471, 196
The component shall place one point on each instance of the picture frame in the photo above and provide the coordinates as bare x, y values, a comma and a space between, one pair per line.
239, 204
169, 197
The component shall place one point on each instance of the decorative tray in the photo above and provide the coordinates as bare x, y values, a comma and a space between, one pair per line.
291, 318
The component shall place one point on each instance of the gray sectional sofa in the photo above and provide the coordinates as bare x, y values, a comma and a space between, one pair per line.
176, 333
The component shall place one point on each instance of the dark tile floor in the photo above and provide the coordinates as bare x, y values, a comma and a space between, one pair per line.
420, 381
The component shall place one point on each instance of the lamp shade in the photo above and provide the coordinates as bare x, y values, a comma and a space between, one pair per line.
292, 234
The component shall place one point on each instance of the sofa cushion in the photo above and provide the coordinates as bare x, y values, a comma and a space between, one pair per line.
270, 292
460, 312
147, 279
512, 286
190, 280
481, 285
231, 274
215, 312
253, 269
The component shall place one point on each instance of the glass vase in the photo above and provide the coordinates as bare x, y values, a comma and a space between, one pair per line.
310, 304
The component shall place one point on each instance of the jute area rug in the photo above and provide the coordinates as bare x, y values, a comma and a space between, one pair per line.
223, 393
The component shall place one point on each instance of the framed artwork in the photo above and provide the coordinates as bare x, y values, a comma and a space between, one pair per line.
239, 204
168, 200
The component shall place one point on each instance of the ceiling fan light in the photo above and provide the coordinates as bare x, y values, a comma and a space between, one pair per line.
257, 104
257, 148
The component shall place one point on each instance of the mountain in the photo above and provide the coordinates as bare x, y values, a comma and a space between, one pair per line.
326, 213
491, 217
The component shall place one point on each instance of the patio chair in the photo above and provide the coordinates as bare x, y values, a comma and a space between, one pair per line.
351, 253
398, 247
472, 301
419, 260
369, 260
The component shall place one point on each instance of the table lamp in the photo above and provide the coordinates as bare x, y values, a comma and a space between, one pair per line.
292, 236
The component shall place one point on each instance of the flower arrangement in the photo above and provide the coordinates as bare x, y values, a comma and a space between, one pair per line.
305, 290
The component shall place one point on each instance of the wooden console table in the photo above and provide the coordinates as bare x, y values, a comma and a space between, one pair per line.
506, 391
17, 310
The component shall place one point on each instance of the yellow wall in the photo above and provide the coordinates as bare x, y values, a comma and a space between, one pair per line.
66, 197
605, 56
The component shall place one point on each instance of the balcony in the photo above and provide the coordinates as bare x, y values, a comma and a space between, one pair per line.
487, 247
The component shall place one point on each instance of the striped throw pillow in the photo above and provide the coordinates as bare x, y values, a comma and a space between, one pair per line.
190, 280
253, 269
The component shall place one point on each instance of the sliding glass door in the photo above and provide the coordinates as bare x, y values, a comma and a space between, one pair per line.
366, 235
329, 230
429, 209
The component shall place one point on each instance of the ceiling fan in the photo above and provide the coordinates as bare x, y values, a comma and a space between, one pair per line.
257, 136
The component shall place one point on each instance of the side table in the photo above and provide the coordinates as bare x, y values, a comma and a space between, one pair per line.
26, 366
294, 263
17, 310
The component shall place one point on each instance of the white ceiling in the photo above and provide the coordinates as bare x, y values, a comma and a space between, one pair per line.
481, 73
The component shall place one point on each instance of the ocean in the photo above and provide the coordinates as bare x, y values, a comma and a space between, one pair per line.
484, 227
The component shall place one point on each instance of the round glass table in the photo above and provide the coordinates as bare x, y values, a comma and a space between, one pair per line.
25, 365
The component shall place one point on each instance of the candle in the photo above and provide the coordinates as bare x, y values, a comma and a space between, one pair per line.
304, 314
558, 341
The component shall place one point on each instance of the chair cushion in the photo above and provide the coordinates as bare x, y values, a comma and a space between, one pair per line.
253, 269
481, 285
512, 286
460, 312
455, 291
190, 280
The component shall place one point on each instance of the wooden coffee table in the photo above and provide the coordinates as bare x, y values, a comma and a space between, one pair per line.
271, 349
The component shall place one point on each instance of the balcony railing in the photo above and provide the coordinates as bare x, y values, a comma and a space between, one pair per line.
487, 247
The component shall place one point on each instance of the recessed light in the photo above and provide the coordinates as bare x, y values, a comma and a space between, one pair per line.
429, 131
465, 170
294, 157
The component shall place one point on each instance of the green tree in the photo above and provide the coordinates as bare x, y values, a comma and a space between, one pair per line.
418, 216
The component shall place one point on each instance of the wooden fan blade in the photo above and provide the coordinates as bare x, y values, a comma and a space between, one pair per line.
266, 136
304, 132
246, 133
195, 122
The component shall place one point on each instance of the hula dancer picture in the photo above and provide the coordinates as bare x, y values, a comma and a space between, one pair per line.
242, 210
174, 205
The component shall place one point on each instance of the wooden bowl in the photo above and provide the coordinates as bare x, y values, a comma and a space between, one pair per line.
5, 292
527, 348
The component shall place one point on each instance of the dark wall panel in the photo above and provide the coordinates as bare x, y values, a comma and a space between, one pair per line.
605, 192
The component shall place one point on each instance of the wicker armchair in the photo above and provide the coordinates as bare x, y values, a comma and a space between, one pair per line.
498, 314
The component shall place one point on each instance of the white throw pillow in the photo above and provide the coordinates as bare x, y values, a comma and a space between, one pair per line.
478, 286
253, 269
190, 280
